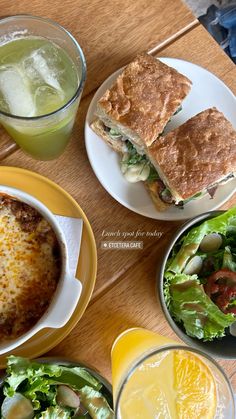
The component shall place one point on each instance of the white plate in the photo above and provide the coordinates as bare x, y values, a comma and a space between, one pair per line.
207, 91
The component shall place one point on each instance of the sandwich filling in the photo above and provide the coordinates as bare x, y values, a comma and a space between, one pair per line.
136, 166
166, 196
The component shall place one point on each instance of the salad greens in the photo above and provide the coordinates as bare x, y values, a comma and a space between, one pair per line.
229, 260
132, 157
190, 305
40, 384
194, 237
55, 412
113, 133
204, 302
153, 175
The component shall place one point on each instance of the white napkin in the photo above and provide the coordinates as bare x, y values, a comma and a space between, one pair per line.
72, 229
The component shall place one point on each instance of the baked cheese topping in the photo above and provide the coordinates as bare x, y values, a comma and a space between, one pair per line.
30, 267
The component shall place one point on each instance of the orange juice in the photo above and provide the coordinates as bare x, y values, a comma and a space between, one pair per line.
131, 346
153, 377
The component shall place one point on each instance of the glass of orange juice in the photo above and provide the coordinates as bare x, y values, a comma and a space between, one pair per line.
154, 377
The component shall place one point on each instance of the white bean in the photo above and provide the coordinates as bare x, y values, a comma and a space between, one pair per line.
17, 407
232, 329
211, 242
193, 266
67, 397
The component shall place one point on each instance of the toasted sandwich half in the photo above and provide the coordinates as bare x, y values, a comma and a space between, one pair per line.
192, 160
136, 109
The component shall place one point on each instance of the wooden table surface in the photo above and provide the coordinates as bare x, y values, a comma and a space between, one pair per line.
111, 34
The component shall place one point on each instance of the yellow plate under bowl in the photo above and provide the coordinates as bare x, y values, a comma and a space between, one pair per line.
61, 203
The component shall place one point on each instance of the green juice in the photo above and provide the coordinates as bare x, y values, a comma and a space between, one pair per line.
37, 77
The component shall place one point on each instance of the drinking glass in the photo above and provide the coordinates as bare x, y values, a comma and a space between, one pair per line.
44, 137
152, 375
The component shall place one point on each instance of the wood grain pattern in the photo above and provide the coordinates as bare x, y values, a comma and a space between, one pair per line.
125, 289
7, 145
200, 48
110, 32
73, 172
131, 302
231, 79
194, 46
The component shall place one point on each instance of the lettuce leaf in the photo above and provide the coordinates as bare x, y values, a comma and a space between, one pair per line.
184, 294
190, 305
19, 369
55, 412
228, 260
194, 237
95, 403
38, 381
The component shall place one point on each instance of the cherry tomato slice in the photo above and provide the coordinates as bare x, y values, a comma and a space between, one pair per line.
221, 288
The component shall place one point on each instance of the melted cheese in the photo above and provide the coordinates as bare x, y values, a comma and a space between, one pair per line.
29, 272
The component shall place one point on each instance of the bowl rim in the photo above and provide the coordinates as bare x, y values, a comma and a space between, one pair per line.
160, 282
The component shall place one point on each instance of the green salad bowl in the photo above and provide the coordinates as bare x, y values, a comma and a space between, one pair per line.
106, 389
220, 348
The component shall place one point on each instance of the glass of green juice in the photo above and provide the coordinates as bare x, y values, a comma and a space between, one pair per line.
42, 75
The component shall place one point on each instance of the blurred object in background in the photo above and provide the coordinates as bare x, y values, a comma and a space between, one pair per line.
221, 23
199, 7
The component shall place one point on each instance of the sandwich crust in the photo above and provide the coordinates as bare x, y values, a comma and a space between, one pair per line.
143, 98
196, 155
117, 145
